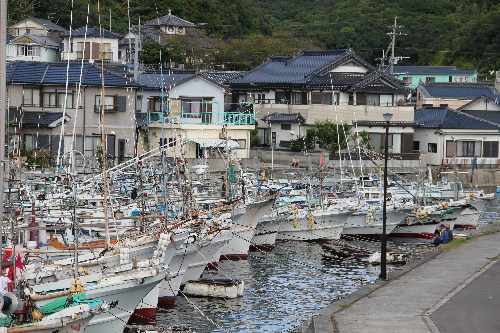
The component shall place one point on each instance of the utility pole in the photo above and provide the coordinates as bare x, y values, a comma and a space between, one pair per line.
396, 31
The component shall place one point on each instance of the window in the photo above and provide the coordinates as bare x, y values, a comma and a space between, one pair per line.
197, 107
286, 127
31, 97
450, 79
490, 149
259, 98
108, 103
451, 148
282, 97
432, 147
468, 148
386, 100
372, 99
323, 97
154, 104
242, 143
430, 79
416, 145
138, 103
28, 50
299, 98
56, 98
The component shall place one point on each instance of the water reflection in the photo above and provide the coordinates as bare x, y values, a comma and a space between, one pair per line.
282, 289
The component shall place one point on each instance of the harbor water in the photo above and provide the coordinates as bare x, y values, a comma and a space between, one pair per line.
283, 288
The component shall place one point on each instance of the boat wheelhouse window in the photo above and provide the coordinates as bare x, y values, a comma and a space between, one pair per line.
490, 149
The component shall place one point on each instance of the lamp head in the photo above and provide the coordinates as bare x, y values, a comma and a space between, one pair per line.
387, 116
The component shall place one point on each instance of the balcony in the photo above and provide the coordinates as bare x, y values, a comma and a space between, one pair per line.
205, 118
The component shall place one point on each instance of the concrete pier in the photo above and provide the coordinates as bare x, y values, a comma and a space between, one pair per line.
455, 291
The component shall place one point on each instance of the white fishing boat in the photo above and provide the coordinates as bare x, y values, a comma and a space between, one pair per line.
122, 292
468, 218
266, 233
168, 289
425, 230
369, 222
315, 225
145, 312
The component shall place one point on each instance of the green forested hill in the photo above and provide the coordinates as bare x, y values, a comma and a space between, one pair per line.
440, 32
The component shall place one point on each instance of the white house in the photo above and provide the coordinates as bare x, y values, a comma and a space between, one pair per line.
32, 48
34, 39
91, 44
197, 109
449, 137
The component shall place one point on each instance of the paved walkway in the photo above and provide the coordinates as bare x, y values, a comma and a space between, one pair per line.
474, 308
406, 304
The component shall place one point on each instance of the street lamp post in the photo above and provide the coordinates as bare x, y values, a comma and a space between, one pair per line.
383, 250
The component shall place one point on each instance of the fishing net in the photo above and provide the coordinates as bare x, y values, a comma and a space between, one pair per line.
63, 302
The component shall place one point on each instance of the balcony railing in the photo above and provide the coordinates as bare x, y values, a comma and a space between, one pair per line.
205, 118
237, 118
356, 156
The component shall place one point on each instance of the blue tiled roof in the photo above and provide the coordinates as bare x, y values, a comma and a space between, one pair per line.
492, 116
458, 90
432, 70
93, 32
26, 72
449, 119
290, 70
156, 81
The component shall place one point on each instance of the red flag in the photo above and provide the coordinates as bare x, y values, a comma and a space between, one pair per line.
19, 262
322, 160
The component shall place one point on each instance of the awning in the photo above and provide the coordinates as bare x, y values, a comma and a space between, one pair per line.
216, 143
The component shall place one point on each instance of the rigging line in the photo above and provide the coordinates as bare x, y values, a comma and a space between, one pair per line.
65, 106
104, 146
79, 93
334, 105
201, 312
346, 138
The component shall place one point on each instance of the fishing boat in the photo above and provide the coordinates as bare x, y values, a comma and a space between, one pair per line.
312, 225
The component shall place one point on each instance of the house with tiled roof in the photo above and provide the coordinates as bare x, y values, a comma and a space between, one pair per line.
46, 96
195, 106
412, 76
336, 85
453, 95
34, 39
91, 44
170, 24
449, 137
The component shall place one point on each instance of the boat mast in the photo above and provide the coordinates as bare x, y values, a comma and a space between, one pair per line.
104, 147
3, 105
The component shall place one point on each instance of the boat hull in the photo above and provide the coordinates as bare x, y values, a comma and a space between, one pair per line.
424, 230
326, 226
